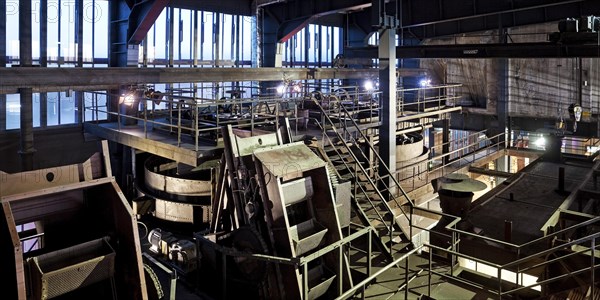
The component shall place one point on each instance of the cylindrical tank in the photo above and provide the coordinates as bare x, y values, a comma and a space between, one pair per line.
409, 146
455, 203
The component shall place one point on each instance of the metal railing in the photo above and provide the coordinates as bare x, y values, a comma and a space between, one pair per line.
524, 259
373, 179
191, 118
301, 263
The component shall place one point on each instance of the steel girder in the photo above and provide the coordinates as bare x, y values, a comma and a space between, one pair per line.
430, 18
233, 7
517, 50
142, 17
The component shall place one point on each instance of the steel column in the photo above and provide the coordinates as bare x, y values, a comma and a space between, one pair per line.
26, 150
25, 50
387, 84
195, 40
25, 57
79, 31
43, 33
171, 35
3, 59
446, 139
2, 62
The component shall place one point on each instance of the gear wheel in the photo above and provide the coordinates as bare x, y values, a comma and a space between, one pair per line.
155, 291
247, 239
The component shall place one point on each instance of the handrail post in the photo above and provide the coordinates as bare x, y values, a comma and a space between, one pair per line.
197, 132
340, 287
499, 283
305, 281
592, 267
429, 274
178, 123
369, 250
145, 117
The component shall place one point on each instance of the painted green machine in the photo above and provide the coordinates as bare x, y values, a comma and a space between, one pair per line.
277, 200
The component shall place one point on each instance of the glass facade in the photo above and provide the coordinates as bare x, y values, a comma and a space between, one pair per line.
222, 39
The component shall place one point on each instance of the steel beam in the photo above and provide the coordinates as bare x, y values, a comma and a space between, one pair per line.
59, 79
142, 17
518, 50
289, 28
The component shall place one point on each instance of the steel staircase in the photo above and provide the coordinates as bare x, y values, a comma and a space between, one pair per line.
379, 201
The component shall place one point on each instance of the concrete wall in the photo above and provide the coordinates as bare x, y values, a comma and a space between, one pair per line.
539, 88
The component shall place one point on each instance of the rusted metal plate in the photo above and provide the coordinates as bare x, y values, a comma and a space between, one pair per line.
288, 159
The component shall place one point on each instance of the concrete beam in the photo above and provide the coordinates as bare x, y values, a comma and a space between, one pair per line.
85, 79
133, 139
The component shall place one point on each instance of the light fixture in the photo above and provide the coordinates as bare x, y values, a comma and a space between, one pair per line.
425, 82
127, 99
368, 85
281, 89
297, 87
541, 142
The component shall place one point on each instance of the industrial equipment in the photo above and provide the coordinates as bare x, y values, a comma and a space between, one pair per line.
68, 231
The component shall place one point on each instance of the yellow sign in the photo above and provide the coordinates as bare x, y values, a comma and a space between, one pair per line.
586, 114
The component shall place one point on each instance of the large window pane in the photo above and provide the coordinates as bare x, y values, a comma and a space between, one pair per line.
13, 111
12, 32
53, 17
53, 109
68, 109
101, 26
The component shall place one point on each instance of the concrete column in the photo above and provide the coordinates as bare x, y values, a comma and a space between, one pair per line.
26, 146
387, 84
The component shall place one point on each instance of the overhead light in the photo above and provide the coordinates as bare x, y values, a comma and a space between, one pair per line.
127, 99
280, 89
368, 85
541, 142
425, 82
297, 87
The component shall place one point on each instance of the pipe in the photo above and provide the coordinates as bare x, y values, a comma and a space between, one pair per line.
491, 14
413, 129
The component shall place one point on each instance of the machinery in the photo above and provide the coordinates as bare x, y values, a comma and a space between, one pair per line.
69, 232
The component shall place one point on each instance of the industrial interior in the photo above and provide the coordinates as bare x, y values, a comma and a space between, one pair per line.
299, 149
